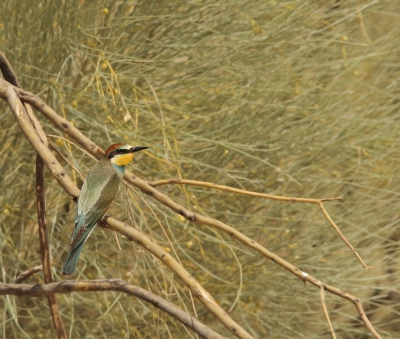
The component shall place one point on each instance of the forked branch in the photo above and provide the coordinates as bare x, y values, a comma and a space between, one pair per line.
9, 93
319, 202
65, 287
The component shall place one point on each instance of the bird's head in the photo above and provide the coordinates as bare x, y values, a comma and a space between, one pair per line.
121, 154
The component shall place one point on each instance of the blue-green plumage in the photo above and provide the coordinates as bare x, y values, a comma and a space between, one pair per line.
99, 189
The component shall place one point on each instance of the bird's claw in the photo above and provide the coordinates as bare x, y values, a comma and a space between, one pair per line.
103, 221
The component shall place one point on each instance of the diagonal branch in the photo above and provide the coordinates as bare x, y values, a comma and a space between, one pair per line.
8, 93
44, 246
319, 202
238, 191
146, 188
116, 285
8, 71
27, 274
10, 76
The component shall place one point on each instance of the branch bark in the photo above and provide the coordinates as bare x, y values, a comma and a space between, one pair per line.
27, 274
8, 93
146, 188
65, 287
44, 247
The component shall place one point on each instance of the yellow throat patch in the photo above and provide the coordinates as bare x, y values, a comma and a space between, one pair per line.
122, 160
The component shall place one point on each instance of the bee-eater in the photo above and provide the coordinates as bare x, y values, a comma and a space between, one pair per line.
98, 191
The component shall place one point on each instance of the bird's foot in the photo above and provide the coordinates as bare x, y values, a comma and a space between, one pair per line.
103, 221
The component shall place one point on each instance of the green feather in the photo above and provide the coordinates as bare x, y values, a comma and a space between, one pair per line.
99, 189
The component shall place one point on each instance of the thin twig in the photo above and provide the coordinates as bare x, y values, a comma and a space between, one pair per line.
144, 186
66, 160
238, 191
8, 93
319, 202
322, 295
10, 76
27, 274
341, 235
65, 287
44, 247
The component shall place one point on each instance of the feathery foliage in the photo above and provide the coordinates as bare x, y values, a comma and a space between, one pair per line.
291, 98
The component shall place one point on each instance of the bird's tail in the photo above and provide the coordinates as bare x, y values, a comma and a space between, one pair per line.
72, 259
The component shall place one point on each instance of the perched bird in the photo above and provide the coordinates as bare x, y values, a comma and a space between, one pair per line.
98, 191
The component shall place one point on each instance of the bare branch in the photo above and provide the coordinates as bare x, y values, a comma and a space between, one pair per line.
341, 235
322, 296
44, 246
116, 285
8, 93
319, 202
8, 71
27, 274
239, 191
146, 188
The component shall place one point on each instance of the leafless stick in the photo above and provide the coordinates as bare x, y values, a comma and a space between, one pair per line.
165, 200
66, 160
8, 93
322, 295
319, 202
341, 235
239, 191
44, 246
117, 285
8, 71
10, 76
96, 151
73, 132
27, 274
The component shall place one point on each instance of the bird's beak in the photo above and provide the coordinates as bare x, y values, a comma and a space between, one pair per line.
137, 149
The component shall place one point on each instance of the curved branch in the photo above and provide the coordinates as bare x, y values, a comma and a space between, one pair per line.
116, 285
27, 274
319, 202
146, 188
44, 246
97, 152
239, 191
8, 93
8, 71
10, 76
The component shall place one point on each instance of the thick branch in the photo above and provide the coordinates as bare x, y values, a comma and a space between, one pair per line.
10, 76
65, 287
145, 187
44, 247
8, 93
63, 125
8, 71
319, 202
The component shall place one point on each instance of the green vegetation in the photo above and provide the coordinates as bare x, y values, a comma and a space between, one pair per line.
289, 98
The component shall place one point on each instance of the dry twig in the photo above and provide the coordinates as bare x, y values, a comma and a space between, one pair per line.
27, 274
8, 93
10, 75
44, 246
117, 285
319, 202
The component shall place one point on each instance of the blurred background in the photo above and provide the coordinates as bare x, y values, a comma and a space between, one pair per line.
283, 97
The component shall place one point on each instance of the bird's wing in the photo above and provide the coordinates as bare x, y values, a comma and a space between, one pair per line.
95, 201
91, 190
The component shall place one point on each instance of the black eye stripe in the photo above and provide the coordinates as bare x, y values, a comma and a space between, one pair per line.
118, 151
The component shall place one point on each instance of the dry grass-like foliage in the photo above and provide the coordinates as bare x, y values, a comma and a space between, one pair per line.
295, 99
